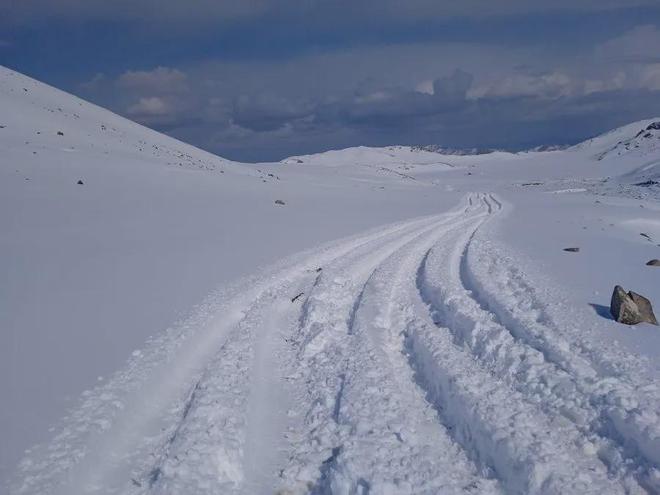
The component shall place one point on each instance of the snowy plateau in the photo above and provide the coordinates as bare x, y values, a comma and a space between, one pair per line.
370, 320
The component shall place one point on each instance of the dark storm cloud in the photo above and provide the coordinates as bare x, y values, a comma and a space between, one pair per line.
333, 11
263, 79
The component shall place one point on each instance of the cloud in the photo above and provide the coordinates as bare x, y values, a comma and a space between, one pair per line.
159, 97
174, 13
455, 94
265, 112
549, 85
639, 44
149, 107
651, 77
161, 80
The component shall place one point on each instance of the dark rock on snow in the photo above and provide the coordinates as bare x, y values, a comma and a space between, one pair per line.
572, 249
653, 263
80, 183
279, 202
631, 308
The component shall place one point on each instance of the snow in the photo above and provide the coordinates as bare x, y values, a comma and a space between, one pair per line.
407, 322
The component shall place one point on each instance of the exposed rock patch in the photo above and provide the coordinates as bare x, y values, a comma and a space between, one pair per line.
631, 308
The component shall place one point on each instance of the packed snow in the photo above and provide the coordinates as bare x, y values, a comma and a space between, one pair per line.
369, 320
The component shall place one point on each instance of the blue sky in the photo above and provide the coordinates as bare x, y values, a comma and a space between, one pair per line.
261, 80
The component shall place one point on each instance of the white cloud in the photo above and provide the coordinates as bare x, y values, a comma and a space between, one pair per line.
650, 77
425, 87
550, 85
617, 81
150, 106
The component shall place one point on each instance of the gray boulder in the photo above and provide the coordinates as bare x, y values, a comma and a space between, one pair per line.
653, 263
645, 308
631, 308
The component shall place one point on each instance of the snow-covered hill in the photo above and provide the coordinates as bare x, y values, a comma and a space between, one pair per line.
637, 139
405, 322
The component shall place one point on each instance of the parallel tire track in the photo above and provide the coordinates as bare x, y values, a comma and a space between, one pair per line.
398, 370
117, 438
538, 365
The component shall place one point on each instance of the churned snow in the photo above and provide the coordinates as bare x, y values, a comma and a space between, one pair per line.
406, 322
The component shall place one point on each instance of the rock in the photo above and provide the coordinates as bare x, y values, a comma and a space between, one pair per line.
279, 202
631, 308
80, 183
653, 263
572, 249
645, 308
60, 133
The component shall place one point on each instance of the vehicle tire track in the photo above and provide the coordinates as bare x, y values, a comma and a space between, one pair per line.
560, 389
399, 447
528, 451
113, 441
625, 405
326, 359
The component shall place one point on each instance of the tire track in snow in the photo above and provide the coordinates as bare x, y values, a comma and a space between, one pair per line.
622, 407
371, 395
217, 446
557, 393
503, 433
115, 438
326, 350
390, 438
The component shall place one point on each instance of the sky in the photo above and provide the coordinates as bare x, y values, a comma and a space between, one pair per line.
258, 80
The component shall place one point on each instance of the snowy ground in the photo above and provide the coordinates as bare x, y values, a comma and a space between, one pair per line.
407, 322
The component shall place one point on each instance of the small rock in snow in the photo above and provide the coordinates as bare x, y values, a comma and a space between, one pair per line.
279, 202
631, 308
572, 249
653, 263
80, 182
60, 133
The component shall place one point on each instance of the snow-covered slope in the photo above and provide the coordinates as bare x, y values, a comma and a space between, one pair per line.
40, 118
385, 330
630, 156
637, 139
